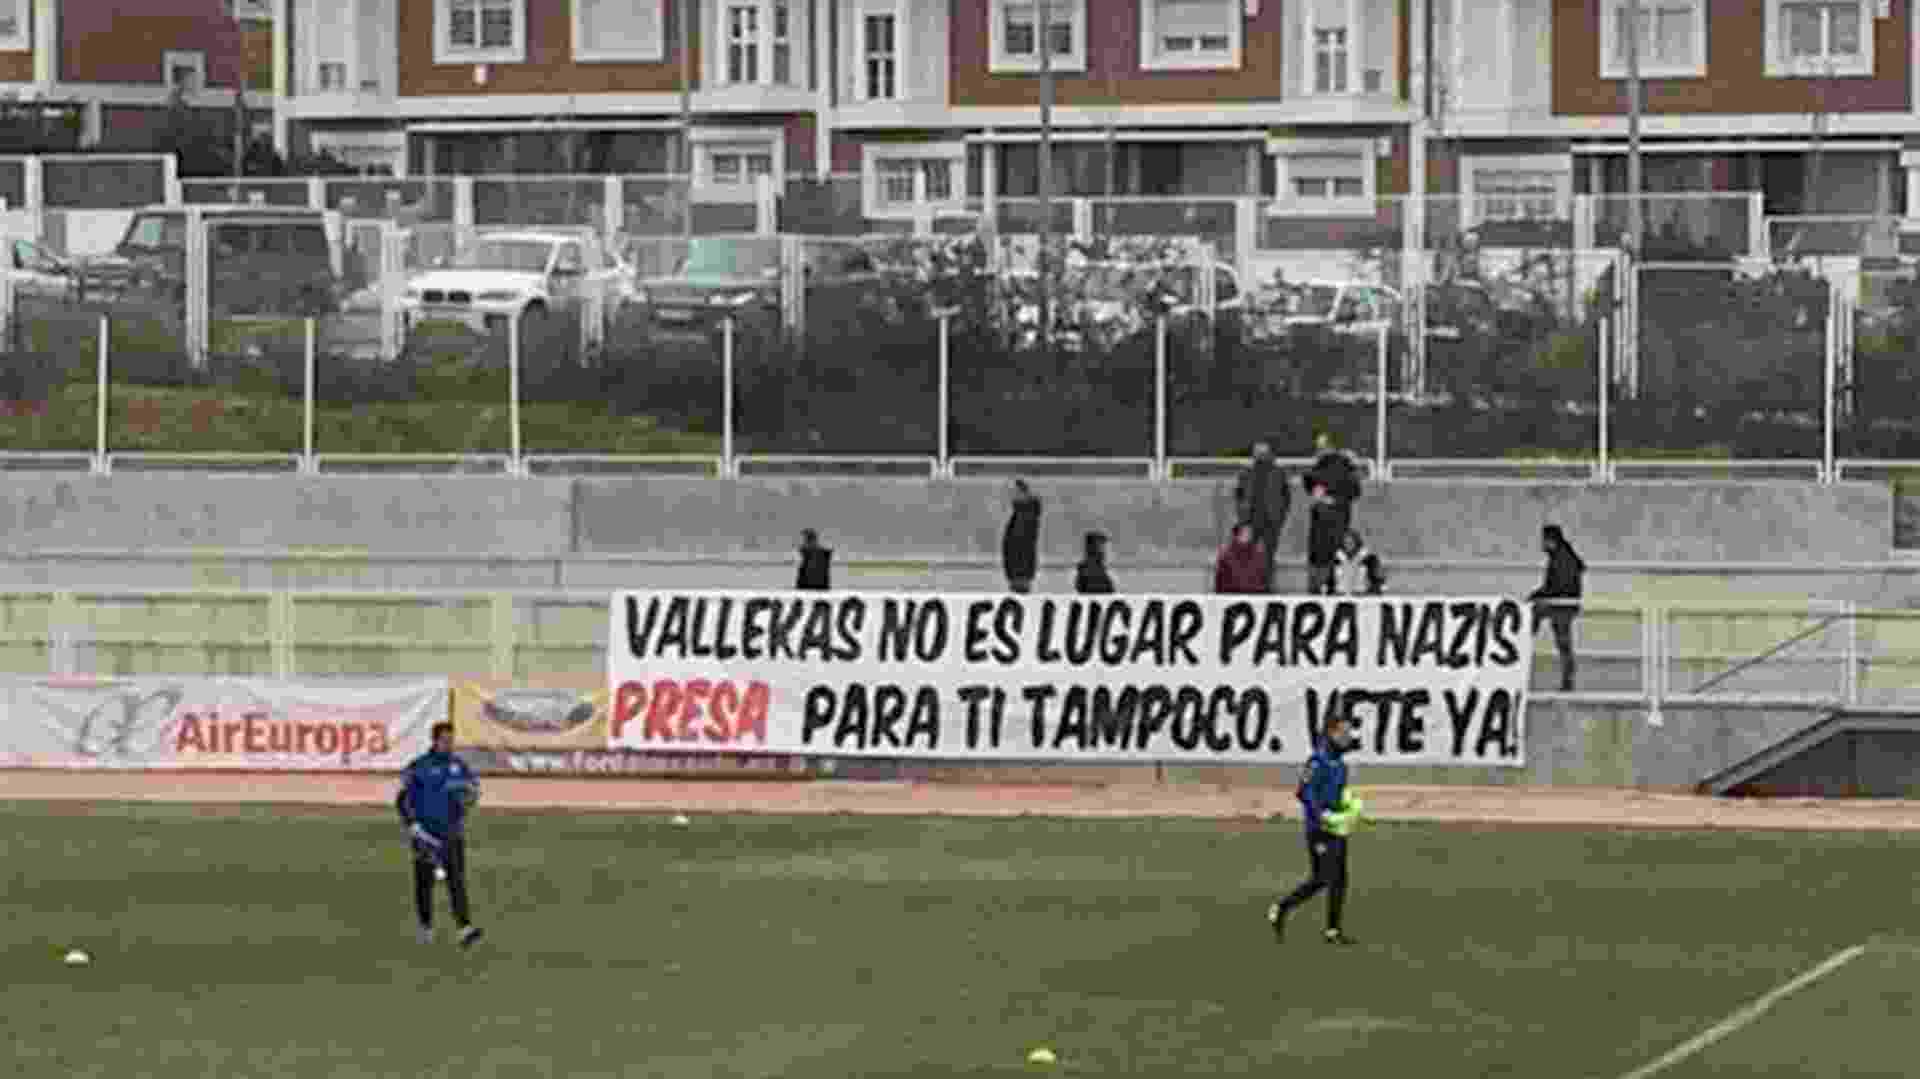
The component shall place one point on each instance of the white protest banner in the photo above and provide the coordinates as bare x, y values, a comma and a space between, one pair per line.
245, 724
1085, 678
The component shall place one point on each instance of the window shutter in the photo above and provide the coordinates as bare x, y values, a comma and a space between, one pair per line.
618, 26
1326, 166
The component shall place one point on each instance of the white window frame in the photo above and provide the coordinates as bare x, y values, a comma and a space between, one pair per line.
763, 43
255, 10
21, 40
1782, 66
445, 52
1286, 204
999, 62
708, 142
1559, 165
901, 53
954, 153
190, 58
1356, 64
584, 51
1154, 58
1613, 64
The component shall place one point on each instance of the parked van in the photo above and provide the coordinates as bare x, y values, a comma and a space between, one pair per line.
262, 260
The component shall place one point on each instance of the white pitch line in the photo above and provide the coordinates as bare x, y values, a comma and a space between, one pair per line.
1733, 1023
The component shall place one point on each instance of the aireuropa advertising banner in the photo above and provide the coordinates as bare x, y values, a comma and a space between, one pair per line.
247, 724
1093, 679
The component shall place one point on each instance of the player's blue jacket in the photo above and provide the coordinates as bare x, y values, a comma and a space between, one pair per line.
1324, 784
431, 793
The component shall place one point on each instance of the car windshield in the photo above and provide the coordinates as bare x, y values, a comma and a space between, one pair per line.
514, 256
730, 258
156, 231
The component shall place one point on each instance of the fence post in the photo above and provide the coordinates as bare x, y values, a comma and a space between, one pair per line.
1654, 626
280, 614
101, 462
1246, 238
614, 210
33, 194
504, 638
726, 398
1830, 383
922, 205
1383, 469
462, 205
1160, 398
307, 463
1603, 467
1627, 332
1759, 241
766, 218
62, 615
943, 467
1851, 684
515, 466
316, 193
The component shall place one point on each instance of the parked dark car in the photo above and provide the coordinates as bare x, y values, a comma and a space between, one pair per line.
262, 260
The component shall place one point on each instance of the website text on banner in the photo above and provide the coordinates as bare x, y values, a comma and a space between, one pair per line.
1037, 678
160, 722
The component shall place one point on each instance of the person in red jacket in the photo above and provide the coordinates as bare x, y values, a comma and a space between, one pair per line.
1242, 568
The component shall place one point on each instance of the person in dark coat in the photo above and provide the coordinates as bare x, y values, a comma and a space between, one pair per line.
1020, 546
1091, 577
1338, 470
816, 563
1261, 499
1243, 566
1557, 600
1324, 535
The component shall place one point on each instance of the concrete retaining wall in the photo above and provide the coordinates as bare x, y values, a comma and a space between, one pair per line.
1414, 520
913, 519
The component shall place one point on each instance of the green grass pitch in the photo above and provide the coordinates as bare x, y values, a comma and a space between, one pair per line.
278, 942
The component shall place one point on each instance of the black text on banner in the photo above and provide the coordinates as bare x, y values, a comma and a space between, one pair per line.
1426, 680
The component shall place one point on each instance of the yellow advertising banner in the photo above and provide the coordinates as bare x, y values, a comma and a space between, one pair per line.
554, 712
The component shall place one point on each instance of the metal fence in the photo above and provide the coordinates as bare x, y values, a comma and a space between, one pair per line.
847, 330
1835, 654
592, 386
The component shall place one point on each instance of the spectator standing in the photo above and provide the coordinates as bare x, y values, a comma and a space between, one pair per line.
1020, 546
1243, 568
816, 563
1262, 500
1357, 571
1338, 470
1557, 600
1323, 538
1091, 577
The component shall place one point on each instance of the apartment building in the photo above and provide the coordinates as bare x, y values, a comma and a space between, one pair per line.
118, 66
1318, 108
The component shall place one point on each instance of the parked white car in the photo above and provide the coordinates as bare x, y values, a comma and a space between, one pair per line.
38, 271
1345, 307
1102, 300
525, 273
